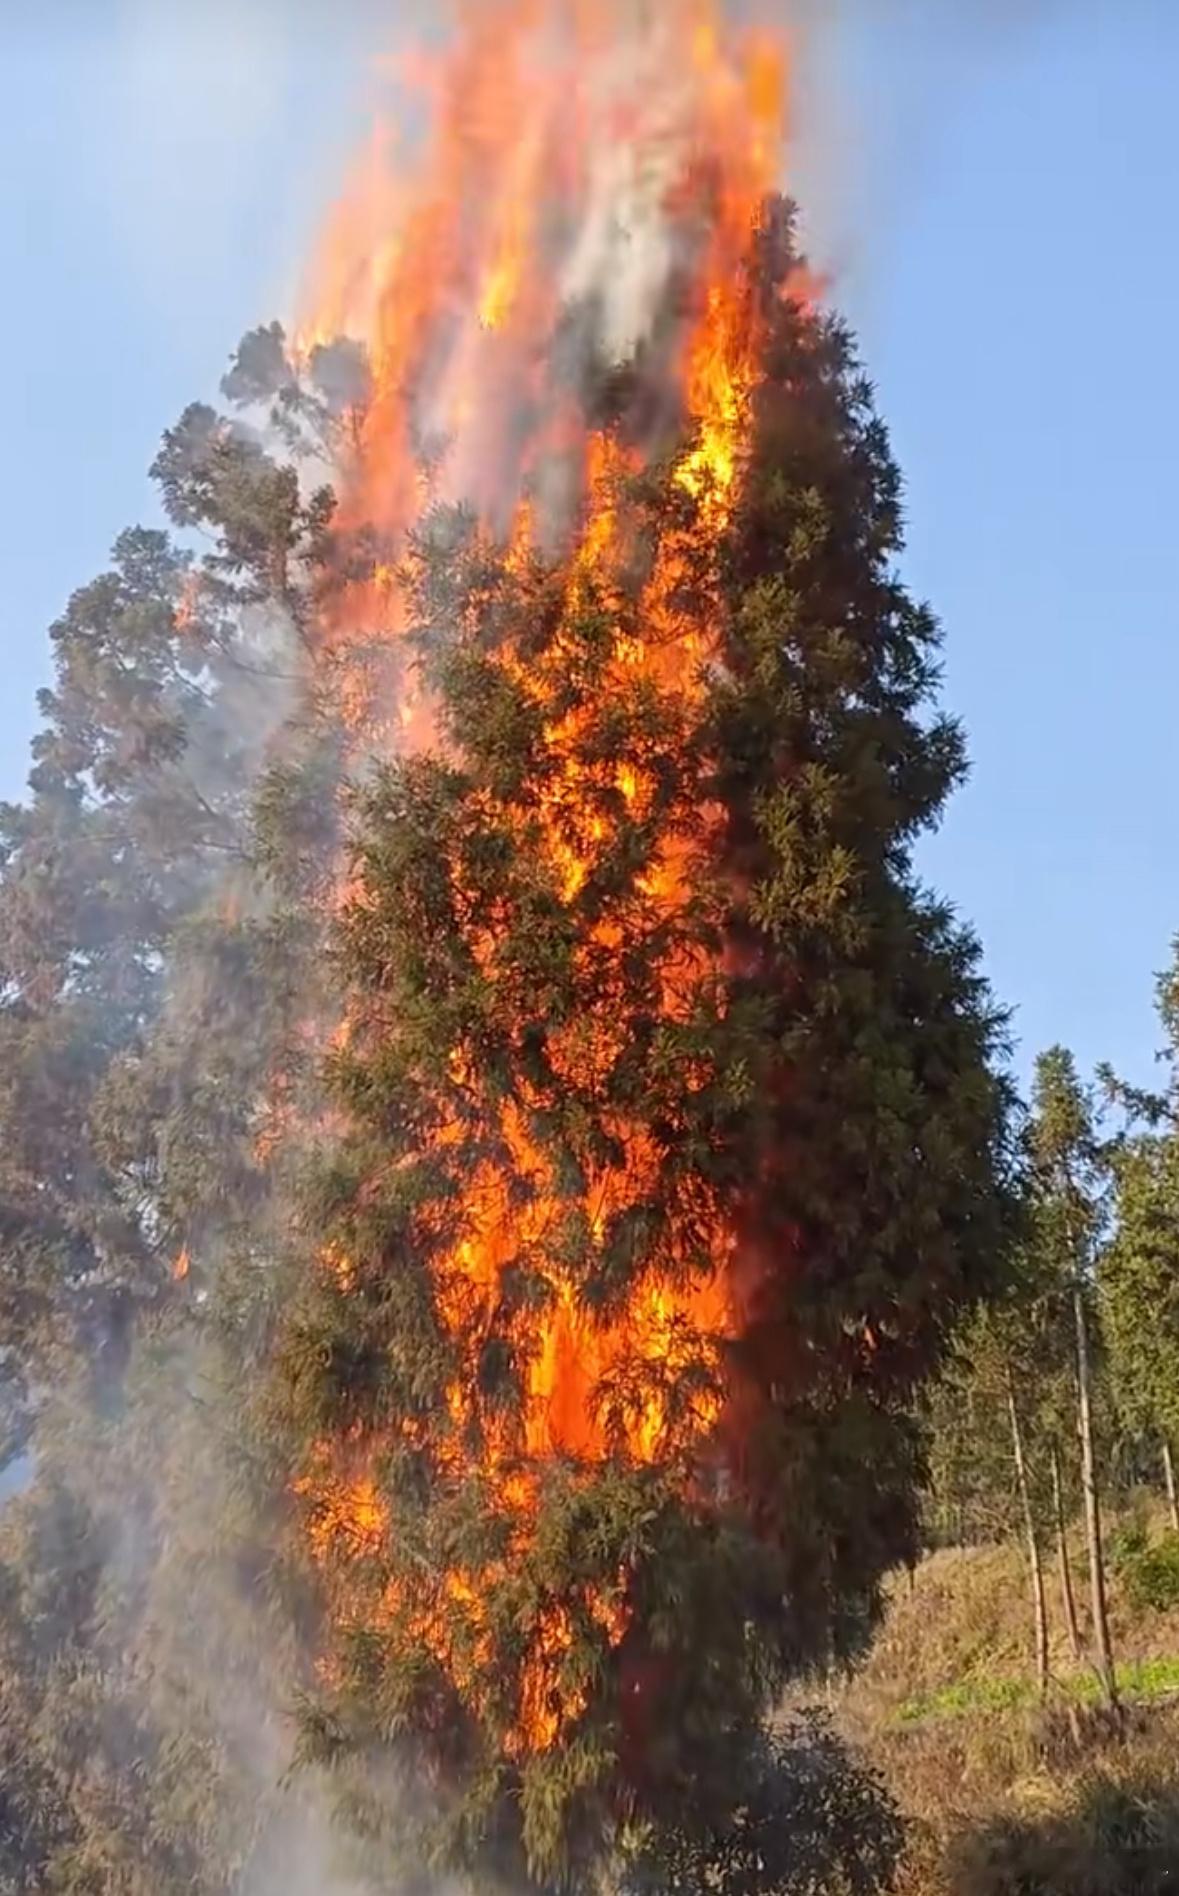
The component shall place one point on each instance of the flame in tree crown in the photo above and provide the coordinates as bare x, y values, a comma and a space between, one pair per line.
543, 1276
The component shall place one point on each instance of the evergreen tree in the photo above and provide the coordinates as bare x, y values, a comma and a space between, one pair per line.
999, 1419
109, 854
1140, 1266
156, 941
576, 1640
1068, 1214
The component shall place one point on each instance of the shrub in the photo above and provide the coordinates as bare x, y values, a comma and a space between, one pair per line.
1127, 1543
1117, 1839
1151, 1576
815, 1820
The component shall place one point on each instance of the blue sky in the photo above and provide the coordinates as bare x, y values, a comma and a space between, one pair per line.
995, 189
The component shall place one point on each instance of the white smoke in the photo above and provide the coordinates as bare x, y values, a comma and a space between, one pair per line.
624, 253
626, 248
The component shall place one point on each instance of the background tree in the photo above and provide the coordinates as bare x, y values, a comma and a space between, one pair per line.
1068, 1215
157, 930
997, 1420
1140, 1265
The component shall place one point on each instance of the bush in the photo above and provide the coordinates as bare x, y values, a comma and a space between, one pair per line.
815, 1821
1151, 1576
1118, 1839
1127, 1543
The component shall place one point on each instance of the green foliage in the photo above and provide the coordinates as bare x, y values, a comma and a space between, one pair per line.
828, 1089
1021, 1346
170, 1353
1151, 1575
966, 1698
1142, 1679
1069, 1195
1128, 1541
1140, 1267
153, 1006
1140, 1285
812, 1820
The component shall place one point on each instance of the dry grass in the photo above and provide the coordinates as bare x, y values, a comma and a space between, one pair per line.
1005, 1797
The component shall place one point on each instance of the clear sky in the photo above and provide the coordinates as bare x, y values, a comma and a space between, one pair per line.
998, 202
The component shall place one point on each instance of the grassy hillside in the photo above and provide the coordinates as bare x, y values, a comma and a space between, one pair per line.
1007, 1797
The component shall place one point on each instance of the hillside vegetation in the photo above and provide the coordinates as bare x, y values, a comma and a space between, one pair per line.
1007, 1794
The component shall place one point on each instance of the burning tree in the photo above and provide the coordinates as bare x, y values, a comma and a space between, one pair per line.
664, 1138
672, 1141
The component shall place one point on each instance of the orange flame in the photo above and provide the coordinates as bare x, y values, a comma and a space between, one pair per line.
584, 158
186, 612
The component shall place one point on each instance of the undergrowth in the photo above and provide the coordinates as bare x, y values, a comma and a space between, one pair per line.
1006, 1795
1143, 1679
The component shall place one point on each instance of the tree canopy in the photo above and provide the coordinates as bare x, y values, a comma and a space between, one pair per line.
476, 1221
577, 1109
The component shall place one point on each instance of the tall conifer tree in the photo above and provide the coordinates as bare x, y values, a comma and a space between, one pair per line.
560, 1091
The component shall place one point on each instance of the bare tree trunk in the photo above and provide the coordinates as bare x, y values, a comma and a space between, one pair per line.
1035, 1565
1105, 1666
1169, 1478
1067, 1596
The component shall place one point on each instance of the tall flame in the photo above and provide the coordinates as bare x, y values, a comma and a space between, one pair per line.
588, 193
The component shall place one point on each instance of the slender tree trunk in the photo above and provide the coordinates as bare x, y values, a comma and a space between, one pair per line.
1169, 1479
1105, 1666
1035, 1564
1067, 1596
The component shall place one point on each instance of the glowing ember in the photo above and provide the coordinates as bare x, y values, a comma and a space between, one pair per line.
588, 170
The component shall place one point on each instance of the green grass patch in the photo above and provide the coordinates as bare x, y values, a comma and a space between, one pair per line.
964, 1699
1141, 1679
1149, 1678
